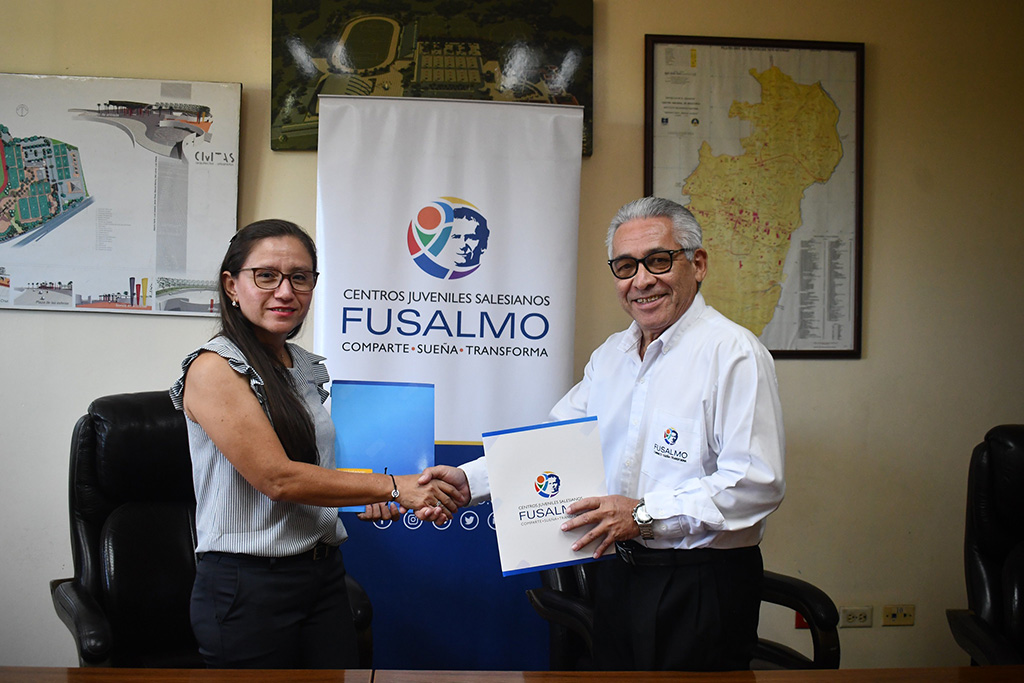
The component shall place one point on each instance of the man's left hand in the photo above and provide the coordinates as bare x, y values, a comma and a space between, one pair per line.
612, 517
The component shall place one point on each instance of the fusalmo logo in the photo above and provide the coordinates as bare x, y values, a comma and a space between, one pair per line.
447, 237
547, 484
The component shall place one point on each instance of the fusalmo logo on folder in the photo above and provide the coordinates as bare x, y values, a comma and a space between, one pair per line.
547, 485
447, 237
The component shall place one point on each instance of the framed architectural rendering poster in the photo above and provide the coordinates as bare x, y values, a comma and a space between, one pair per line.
118, 195
763, 141
502, 50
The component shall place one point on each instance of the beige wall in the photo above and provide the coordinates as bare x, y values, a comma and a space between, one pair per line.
878, 447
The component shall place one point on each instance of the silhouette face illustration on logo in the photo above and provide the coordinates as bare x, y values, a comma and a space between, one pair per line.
467, 241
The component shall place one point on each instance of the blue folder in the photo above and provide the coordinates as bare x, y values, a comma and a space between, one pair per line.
382, 424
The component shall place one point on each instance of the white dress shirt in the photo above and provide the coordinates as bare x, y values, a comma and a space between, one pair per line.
694, 428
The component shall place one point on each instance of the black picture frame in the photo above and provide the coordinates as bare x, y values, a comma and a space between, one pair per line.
502, 50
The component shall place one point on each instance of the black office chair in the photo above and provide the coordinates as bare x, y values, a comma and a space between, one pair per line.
565, 602
133, 539
991, 629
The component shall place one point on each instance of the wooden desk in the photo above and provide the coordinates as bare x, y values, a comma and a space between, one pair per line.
994, 674
933, 675
31, 674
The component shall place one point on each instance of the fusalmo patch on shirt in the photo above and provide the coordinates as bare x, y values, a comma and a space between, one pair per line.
666, 447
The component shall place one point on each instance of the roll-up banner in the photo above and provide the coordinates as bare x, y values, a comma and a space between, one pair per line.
447, 240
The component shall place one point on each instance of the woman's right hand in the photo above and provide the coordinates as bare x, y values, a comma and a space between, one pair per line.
412, 495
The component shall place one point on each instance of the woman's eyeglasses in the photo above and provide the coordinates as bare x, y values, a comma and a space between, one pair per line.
268, 278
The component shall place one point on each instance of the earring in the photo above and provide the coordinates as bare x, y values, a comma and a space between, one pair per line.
235, 304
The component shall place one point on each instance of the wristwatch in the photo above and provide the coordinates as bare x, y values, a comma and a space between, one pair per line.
643, 520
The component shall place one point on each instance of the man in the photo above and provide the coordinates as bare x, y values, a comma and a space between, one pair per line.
692, 437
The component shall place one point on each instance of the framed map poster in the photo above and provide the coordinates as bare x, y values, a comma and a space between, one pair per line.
763, 141
116, 195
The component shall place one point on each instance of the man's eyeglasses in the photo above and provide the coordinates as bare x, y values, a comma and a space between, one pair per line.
656, 263
268, 278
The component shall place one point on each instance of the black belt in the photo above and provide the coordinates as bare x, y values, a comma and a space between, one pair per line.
633, 553
321, 551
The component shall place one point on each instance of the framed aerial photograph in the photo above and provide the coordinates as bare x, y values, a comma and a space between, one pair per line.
118, 195
763, 141
502, 50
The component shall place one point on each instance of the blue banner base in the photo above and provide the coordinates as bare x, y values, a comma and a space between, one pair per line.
439, 599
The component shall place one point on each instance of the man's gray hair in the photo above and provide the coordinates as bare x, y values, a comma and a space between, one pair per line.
685, 228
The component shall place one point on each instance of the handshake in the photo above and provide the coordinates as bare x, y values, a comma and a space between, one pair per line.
438, 492
434, 495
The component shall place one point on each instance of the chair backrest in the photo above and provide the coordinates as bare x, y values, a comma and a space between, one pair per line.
994, 533
132, 511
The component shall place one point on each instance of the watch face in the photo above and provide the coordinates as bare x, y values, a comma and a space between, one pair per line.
642, 517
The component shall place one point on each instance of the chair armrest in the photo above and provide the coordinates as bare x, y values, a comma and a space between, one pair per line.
566, 610
800, 596
362, 609
86, 621
983, 643
816, 608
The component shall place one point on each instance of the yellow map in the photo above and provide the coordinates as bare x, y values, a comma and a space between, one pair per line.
749, 205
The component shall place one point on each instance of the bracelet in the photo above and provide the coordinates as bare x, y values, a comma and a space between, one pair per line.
394, 485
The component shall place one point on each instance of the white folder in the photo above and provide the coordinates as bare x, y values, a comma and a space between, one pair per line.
535, 473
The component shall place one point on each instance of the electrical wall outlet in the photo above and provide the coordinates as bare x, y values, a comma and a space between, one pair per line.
898, 615
855, 617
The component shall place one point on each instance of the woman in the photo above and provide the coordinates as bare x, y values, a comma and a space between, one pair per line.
270, 590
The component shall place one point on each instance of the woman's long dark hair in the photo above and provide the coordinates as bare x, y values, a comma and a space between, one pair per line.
288, 415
